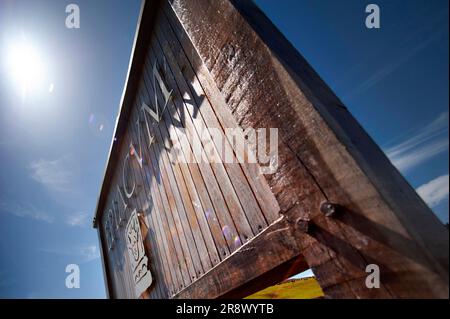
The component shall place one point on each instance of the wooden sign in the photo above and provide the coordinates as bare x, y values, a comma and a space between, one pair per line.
233, 167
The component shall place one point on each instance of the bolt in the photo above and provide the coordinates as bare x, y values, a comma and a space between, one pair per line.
303, 225
328, 209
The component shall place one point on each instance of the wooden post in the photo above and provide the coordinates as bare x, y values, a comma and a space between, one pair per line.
335, 203
325, 156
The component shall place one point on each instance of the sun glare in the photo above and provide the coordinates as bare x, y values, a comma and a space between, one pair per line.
26, 68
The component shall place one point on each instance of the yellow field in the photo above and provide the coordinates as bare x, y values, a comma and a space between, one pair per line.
306, 288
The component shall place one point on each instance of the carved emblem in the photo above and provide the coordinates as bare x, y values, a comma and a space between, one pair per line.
139, 261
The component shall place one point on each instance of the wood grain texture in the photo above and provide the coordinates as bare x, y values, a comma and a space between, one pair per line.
192, 215
219, 230
379, 210
235, 277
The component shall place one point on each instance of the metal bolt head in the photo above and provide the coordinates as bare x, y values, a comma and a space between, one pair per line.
328, 209
303, 225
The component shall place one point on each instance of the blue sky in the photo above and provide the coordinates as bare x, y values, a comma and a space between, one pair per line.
394, 79
54, 140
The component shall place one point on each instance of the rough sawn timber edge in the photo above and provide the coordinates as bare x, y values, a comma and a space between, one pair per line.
381, 220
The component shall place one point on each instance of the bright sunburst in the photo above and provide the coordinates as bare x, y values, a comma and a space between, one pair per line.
26, 67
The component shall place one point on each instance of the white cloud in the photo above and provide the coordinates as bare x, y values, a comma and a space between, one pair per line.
423, 145
90, 252
435, 191
26, 211
80, 254
408, 159
54, 174
78, 219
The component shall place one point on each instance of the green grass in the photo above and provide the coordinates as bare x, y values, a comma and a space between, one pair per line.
306, 288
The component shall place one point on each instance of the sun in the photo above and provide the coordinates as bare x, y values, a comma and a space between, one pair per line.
26, 67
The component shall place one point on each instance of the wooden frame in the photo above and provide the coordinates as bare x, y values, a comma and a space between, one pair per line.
340, 204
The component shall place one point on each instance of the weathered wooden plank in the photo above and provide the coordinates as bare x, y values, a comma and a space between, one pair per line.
155, 290
117, 260
109, 284
111, 279
340, 158
181, 262
189, 219
166, 262
179, 214
285, 184
203, 238
268, 203
113, 259
202, 107
270, 278
230, 67
207, 172
161, 224
276, 241
200, 197
133, 203
200, 181
202, 202
154, 217
163, 236
202, 227
153, 241
293, 198
232, 170
161, 220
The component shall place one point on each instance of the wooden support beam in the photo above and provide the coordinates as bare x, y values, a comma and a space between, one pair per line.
325, 156
235, 277
335, 203
273, 277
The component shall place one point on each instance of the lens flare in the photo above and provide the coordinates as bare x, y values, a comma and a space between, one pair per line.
237, 241
98, 124
226, 232
26, 67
